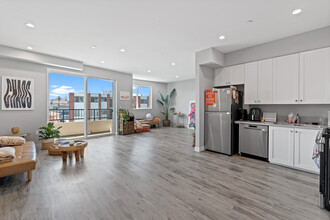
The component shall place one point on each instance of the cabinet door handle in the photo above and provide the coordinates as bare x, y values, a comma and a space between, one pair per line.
296, 100
291, 131
301, 100
296, 131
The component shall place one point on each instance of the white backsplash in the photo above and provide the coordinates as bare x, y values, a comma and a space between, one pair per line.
307, 113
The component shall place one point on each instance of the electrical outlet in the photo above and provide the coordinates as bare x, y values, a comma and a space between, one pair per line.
37, 132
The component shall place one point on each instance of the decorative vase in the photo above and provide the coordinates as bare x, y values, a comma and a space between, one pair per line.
15, 130
46, 143
166, 123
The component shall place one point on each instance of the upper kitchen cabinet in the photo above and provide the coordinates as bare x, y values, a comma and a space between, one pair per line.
221, 77
265, 81
258, 87
236, 75
233, 75
314, 76
286, 79
251, 83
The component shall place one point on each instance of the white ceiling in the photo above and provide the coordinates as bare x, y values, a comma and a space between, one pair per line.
154, 33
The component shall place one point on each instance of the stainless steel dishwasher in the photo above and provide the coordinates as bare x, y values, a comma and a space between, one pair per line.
253, 140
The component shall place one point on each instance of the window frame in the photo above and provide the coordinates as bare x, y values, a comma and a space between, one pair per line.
137, 93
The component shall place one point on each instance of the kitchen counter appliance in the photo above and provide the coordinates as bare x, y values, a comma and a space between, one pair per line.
255, 114
243, 114
253, 140
221, 134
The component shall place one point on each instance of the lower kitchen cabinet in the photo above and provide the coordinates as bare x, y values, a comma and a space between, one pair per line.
304, 142
281, 143
292, 147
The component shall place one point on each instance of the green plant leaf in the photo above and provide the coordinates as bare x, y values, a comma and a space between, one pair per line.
160, 102
161, 96
166, 100
172, 92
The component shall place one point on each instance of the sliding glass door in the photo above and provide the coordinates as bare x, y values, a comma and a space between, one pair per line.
66, 104
84, 107
99, 107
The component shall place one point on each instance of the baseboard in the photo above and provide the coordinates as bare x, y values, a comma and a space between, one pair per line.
199, 149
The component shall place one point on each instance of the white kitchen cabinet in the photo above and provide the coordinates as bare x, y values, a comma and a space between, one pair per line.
314, 76
281, 143
236, 75
258, 87
233, 75
286, 79
304, 142
251, 83
292, 147
265, 81
221, 77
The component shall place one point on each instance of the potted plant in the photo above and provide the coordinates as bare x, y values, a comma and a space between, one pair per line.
165, 102
47, 135
124, 116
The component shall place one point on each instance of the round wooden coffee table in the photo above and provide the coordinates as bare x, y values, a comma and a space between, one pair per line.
78, 148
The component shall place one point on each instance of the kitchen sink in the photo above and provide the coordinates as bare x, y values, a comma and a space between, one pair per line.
298, 125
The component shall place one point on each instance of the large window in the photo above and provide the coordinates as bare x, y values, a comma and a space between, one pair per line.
142, 97
69, 108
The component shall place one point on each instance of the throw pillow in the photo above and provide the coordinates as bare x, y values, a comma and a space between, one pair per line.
11, 141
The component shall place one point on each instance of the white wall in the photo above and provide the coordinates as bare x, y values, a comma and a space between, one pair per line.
27, 121
156, 108
302, 42
185, 92
30, 121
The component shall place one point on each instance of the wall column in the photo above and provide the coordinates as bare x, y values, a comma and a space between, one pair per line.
88, 106
108, 107
71, 107
100, 107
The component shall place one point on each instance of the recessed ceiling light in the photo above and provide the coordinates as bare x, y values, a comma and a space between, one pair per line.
177, 76
296, 11
149, 71
29, 48
122, 50
29, 25
93, 47
173, 64
102, 61
222, 37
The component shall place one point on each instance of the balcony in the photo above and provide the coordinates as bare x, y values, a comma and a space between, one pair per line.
72, 121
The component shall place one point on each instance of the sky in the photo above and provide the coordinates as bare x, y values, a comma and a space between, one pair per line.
62, 85
144, 91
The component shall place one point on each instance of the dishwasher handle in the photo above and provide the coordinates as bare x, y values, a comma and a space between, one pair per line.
254, 127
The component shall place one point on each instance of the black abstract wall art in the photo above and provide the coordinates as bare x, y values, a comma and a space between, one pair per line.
17, 93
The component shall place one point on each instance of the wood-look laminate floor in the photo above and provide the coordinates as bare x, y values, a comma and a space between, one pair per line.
157, 175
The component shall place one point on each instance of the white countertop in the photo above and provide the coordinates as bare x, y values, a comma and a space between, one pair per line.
282, 124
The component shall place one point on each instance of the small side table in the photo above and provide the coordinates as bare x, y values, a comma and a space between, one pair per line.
78, 149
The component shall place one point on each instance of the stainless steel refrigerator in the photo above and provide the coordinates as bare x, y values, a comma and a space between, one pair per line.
221, 134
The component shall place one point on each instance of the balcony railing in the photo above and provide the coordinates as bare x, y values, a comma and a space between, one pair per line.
71, 115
